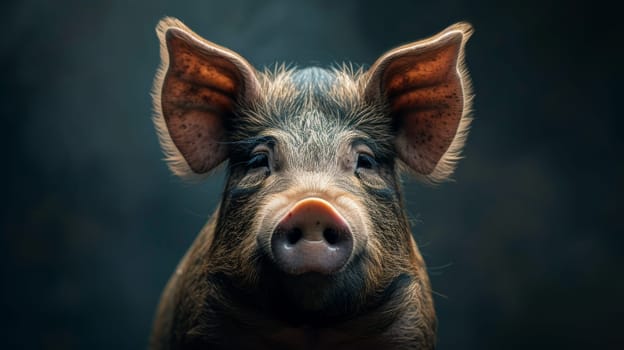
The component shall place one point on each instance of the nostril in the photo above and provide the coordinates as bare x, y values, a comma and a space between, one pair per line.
331, 236
293, 236
311, 237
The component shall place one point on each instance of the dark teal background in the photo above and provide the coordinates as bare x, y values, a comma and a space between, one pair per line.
524, 249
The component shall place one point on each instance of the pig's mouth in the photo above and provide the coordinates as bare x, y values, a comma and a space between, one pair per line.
312, 298
310, 295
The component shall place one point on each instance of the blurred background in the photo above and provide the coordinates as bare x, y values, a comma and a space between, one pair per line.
524, 248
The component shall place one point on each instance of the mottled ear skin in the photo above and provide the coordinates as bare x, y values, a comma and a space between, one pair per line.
427, 90
196, 92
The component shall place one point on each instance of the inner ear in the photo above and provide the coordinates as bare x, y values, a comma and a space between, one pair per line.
197, 93
425, 87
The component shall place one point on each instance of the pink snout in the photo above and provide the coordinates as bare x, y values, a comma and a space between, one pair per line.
312, 237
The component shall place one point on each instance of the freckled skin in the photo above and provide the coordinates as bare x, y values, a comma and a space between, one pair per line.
338, 136
428, 101
198, 95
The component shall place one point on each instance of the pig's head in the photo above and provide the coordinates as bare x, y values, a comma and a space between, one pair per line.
312, 221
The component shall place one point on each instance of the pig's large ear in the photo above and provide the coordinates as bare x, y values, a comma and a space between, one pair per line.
427, 90
197, 90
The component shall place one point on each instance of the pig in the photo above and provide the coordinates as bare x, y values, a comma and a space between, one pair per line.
310, 246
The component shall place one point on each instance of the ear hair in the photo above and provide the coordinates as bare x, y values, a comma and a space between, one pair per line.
176, 162
447, 162
251, 89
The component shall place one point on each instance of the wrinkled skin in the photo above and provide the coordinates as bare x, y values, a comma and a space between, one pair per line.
343, 137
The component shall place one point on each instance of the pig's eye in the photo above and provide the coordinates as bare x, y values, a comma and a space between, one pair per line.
258, 160
365, 161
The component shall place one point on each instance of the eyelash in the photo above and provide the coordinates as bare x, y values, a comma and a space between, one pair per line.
258, 160
365, 161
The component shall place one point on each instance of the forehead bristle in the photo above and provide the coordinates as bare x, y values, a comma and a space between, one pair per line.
313, 103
